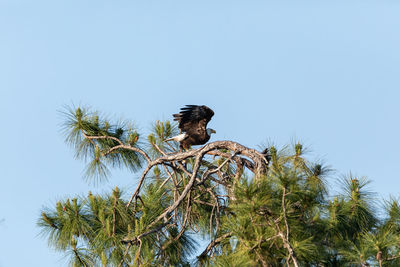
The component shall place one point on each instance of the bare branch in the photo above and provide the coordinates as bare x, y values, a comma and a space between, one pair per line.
135, 239
213, 243
208, 172
121, 145
285, 238
139, 184
252, 159
184, 192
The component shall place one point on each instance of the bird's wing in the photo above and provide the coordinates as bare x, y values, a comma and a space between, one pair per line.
193, 117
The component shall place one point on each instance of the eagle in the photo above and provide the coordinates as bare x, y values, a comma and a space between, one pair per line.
193, 122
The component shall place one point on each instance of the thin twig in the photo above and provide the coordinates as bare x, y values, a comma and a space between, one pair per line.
285, 238
211, 228
184, 192
213, 243
133, 240
208, 172
121, 144
114, 215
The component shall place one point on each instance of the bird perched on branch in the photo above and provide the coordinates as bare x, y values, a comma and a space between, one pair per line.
193, 122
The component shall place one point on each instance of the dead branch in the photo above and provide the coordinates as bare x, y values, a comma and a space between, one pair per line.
259, 160
237, 154
285, 238
120, 146
213, 243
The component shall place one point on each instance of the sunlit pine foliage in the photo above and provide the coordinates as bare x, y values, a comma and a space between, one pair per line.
284, 216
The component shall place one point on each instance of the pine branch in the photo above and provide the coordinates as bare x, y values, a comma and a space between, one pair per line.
256, 156
285, 238
121, 145
213, 243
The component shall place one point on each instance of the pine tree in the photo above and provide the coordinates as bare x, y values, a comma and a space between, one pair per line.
269, 208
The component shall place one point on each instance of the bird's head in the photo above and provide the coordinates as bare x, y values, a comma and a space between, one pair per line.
210, 131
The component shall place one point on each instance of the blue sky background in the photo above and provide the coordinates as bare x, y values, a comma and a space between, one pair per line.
324, 72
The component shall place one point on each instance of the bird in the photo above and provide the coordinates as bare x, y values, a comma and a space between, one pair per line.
193, 120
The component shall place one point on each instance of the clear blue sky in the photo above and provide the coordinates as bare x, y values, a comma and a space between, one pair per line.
325, 72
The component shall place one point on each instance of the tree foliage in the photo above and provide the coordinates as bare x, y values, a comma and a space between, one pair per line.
269, 208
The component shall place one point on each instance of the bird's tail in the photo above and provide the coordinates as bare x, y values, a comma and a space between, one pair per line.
177, 138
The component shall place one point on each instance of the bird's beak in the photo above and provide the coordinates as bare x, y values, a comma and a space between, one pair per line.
213, 131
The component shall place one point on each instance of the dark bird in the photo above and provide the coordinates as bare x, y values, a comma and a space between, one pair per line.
193, 122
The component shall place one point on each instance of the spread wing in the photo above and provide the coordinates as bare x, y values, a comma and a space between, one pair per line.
193, 119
